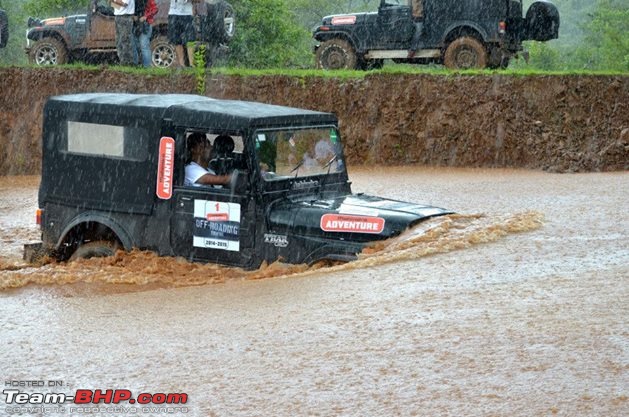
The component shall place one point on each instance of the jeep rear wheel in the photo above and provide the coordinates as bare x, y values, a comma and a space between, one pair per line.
48, 51
465, 53
336, 54
162, 52
97, 249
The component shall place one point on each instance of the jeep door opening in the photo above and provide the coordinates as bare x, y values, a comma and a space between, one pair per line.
113, 178
460, 34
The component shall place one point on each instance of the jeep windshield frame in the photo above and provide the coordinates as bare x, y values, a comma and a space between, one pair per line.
308, 152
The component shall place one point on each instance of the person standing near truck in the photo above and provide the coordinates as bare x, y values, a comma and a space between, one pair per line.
4, 29
181, 29
145, 11
417, 11
124, 12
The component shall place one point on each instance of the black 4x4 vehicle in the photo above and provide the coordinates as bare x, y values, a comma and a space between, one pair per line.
458, 33
91, 36
113, 177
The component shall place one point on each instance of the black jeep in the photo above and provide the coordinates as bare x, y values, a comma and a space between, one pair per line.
458, 33
113, 177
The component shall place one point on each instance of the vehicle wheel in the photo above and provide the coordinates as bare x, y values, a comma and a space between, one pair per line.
336, 54
48, 51
96, 249
465, 53
229, 22
163, 52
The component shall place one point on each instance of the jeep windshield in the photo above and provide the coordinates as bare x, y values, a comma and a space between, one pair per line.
298, 152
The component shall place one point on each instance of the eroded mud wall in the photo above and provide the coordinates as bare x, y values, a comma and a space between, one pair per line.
558, 123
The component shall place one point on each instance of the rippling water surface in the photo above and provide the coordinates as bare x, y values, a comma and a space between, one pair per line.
516, 305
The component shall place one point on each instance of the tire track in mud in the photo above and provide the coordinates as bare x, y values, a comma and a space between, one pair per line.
142, 270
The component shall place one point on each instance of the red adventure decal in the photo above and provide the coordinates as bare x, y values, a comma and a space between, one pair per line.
165, 168
351, 224
217, 217
344, 20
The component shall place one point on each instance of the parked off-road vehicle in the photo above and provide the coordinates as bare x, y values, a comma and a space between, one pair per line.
92, 36
113, 177
4, 29
458, 33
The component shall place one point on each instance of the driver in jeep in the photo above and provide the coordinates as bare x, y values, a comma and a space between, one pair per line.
197, 171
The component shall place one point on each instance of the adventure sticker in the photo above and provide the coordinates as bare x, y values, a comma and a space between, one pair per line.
216, 225
344, 20
351, 224
164, 188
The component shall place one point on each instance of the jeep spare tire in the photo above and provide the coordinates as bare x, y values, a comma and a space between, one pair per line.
336, 54
48, 51
217, 22
4, 29
465, 53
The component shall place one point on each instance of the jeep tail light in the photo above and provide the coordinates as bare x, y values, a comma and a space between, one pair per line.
324, 28
38, 214
502, 27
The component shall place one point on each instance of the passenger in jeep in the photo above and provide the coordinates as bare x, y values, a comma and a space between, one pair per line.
197, 171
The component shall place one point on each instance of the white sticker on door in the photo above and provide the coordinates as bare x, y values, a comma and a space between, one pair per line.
216, 225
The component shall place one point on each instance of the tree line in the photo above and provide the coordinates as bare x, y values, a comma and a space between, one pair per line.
278, 33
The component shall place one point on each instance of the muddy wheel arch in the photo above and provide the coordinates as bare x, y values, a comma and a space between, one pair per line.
89, 227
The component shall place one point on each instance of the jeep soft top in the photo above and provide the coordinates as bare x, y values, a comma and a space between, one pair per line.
113, 177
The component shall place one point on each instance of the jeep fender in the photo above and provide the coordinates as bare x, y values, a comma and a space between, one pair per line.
94, 217
339, 35
464, 28
36, 35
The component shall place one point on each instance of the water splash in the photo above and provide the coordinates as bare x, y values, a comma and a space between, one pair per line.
140, 270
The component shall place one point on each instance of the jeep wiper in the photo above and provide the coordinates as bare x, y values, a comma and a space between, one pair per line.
298, 166
324, 179
329, 163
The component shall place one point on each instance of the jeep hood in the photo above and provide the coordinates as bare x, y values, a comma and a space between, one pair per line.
353, 217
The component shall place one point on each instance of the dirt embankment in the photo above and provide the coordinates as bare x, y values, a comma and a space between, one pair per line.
557, 123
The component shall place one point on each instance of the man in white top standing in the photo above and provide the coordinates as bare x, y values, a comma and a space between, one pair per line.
124, 10
197, 172
181, 29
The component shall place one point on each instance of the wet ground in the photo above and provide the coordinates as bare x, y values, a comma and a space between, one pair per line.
518, 306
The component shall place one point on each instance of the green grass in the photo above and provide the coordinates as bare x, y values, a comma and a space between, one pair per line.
388, 69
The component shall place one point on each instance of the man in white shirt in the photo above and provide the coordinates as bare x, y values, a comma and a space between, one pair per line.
124, 10
181, 29
197, 172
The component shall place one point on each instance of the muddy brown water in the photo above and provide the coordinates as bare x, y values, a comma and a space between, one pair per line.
517, 305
